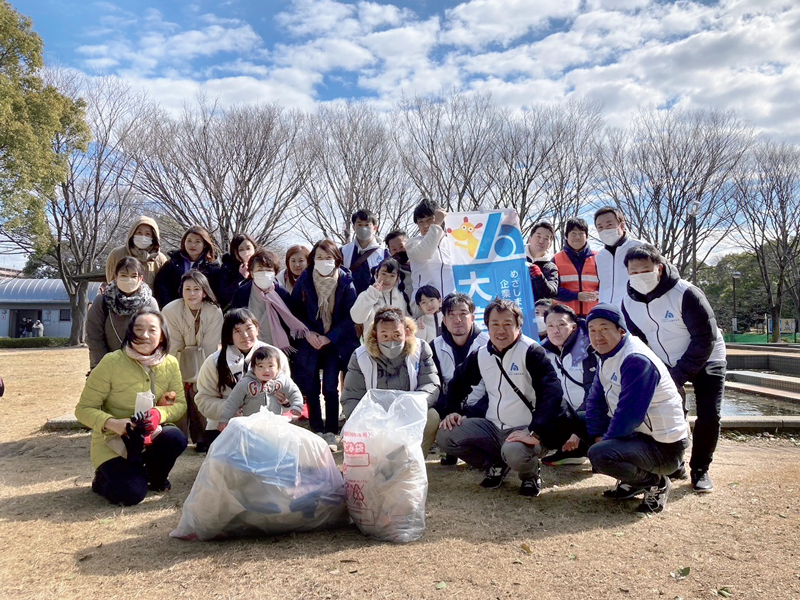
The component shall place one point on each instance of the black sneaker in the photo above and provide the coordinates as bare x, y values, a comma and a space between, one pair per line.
494, 476
680, 473
448, 460
701, 482
573, 457
160, 487
531, 487
655, 497
623, 491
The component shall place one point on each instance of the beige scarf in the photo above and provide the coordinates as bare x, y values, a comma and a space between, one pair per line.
326, 297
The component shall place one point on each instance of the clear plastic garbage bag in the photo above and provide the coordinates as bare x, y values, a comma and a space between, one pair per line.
384, 470
263, 475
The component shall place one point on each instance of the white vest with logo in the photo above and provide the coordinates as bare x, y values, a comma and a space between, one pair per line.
369, 368
664, 421
661, 320
447, 364
574, 392
506, 409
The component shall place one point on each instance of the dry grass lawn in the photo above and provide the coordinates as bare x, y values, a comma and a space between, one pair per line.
60, 540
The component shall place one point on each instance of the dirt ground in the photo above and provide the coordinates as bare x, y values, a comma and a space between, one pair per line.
57, 539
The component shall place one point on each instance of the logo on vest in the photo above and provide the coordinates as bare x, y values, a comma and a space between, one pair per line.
669, 315
514, 367
613, 377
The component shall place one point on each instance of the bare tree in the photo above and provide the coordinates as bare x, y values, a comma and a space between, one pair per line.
518, 173
574, 161
767, 217
229, 170
355, 165
446, 144
670, 165
90, 206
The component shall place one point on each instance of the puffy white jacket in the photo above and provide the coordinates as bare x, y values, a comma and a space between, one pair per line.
612, 272
371, 301
430, 261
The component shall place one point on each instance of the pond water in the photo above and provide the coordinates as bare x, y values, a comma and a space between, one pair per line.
738, 404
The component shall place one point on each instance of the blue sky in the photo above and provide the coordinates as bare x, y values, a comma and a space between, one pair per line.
739, 54
730, 54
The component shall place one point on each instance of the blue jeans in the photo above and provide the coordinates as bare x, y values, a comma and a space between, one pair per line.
638, 460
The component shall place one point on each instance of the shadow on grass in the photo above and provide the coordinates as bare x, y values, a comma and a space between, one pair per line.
77, 504
457, 509
153, 550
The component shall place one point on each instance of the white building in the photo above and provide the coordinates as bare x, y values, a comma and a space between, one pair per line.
42, 299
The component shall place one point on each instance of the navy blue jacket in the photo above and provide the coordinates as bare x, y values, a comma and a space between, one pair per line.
305, 305
167, 284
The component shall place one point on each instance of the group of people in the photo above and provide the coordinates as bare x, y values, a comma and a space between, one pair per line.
620, 334
30, 328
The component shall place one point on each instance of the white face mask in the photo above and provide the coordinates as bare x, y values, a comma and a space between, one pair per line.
143, 242
644, 283
265, 280
364, 233
391, 349
609, 236
541, 325
128, 285
324, 267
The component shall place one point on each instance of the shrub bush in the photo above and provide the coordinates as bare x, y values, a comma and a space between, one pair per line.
40, 342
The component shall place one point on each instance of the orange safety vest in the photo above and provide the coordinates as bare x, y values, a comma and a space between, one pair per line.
570, 279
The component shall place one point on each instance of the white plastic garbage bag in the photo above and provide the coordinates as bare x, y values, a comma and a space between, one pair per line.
263, 475
384, 470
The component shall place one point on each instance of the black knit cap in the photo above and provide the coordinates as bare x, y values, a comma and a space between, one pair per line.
610, 313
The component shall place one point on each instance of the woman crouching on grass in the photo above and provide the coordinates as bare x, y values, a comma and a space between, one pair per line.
131, 455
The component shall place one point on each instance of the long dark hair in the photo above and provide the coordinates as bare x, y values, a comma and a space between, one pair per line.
202, 281
132, 338
234, 317
392, 266
210, 250
237, 241
298, 249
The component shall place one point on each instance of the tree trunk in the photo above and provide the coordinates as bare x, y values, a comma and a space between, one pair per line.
80, 309
776, 323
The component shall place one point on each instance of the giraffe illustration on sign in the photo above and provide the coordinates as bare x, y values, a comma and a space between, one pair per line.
465, 237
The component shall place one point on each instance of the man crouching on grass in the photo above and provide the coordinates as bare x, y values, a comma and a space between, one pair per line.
526, 412
633, 412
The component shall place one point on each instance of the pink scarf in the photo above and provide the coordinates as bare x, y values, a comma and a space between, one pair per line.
276, 312
149, 361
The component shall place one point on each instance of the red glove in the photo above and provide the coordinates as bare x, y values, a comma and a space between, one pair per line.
150, 420
536, 271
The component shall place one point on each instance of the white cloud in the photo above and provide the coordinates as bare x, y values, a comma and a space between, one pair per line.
317, 17
324, 55
738, 54
373, 15
480, 22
